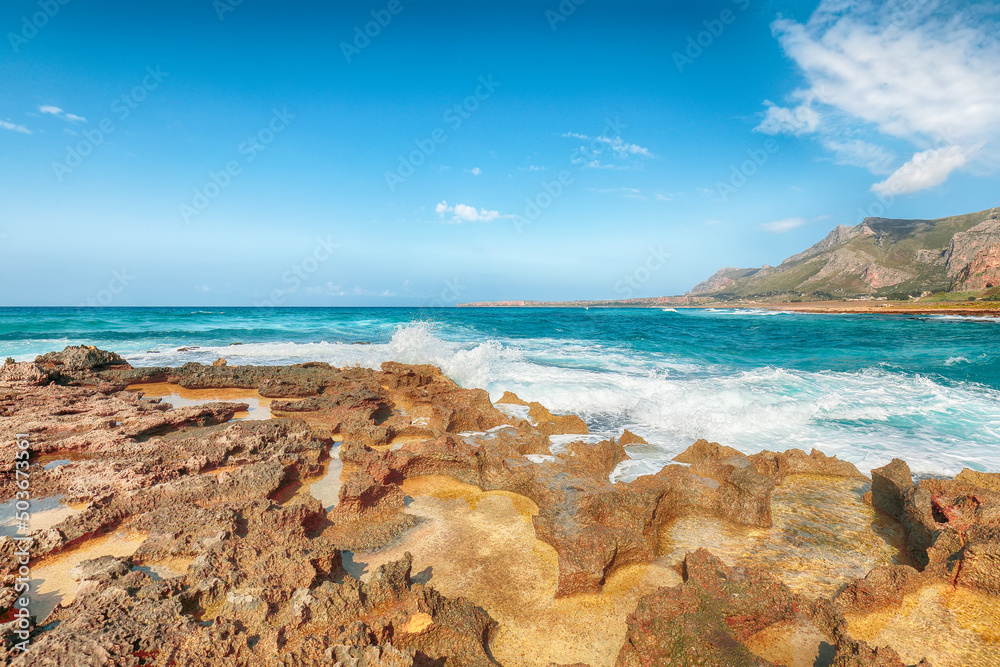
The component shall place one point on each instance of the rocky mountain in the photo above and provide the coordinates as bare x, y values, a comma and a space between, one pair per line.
879, 257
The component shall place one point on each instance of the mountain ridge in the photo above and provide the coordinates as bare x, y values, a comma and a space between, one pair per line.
878, 257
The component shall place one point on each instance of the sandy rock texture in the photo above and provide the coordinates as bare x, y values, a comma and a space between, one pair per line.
233, 561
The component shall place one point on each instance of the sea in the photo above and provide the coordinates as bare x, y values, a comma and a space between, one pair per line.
866, 388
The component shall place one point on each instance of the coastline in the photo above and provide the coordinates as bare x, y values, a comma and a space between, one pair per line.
991, 309
868, 308
444, 499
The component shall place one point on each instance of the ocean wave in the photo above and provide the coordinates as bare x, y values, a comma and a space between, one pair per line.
755, 312
963, 318
866, 417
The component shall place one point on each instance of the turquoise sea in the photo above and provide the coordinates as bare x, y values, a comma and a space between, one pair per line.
864, 387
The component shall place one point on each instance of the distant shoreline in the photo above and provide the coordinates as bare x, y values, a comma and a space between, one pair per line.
991, 309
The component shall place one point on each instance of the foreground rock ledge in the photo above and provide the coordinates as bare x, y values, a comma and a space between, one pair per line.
264, 581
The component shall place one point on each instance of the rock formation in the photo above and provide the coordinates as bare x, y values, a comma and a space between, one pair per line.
234, 562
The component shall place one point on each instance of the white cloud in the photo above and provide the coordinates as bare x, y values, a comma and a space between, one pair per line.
531, 167
803, 119
631, 193
860, 153
782, 226
464, 213
59, 113
326, 289
926, 73
622, 148
636, 193
363, 291
14, 127
590, 156
924, 170
475, 171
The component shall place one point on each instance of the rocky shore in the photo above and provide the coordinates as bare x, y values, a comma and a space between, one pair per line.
393, 518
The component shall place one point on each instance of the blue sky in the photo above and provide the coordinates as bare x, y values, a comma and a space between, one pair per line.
241, 153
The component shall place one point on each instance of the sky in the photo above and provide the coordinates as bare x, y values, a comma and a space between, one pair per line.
415, 152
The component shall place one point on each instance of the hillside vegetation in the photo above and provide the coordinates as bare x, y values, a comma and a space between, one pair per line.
879, 257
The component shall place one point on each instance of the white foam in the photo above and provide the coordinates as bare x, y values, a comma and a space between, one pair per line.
965, 318
631, 469
512, 410
865, 417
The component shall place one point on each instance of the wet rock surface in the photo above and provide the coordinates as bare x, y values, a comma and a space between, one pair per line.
235, 562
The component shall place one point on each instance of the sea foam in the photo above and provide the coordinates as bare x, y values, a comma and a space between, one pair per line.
866, 417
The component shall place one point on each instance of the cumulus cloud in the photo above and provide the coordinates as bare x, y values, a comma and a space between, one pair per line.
924, 170
922, 73
475, 171
782, 226
800, 120
59, 113
464, 213
14, 127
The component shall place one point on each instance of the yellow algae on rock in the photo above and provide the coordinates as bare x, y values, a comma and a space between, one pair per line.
51, 582
949, 627
417, 623
792, 644
823, 535
182, 397
481, 546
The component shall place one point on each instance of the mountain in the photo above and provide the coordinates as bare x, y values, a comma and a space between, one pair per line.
879, 257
